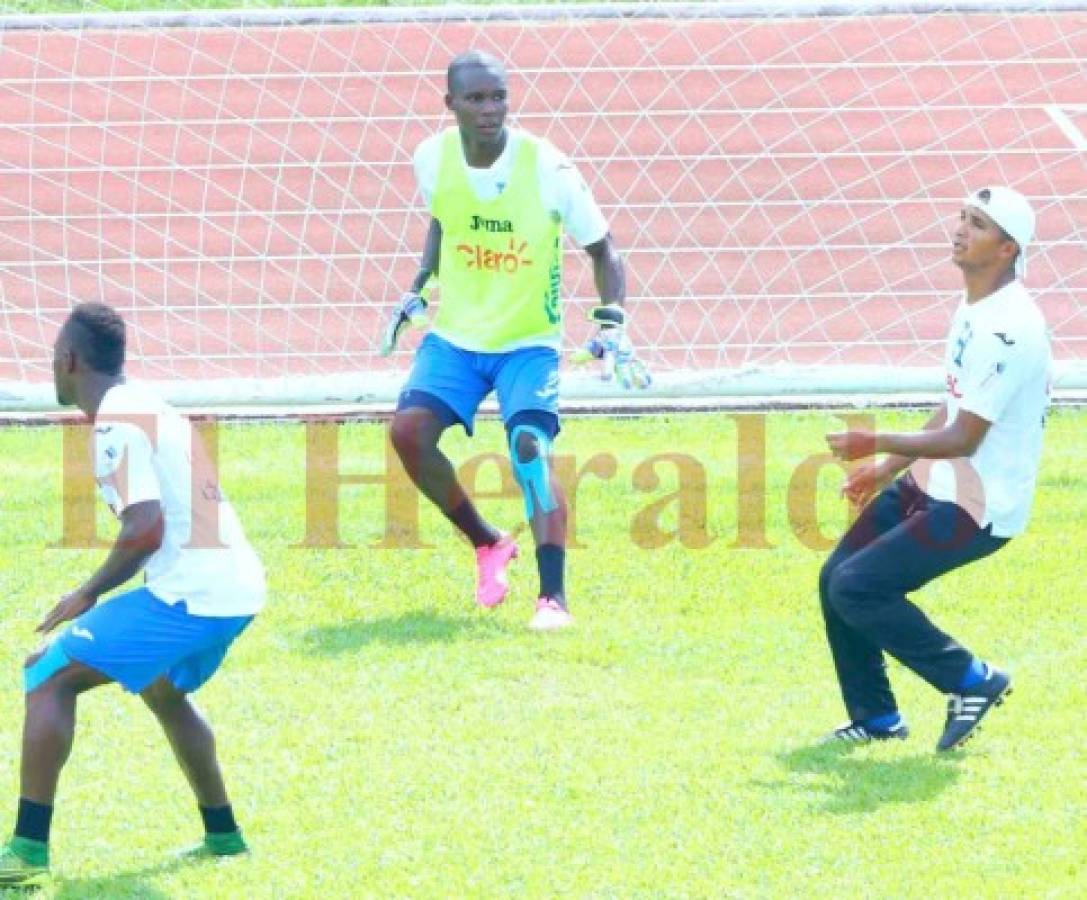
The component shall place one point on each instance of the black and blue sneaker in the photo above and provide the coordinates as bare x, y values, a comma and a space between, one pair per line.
860, 733
965, 710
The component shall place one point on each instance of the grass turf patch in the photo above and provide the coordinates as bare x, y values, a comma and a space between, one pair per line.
382, 736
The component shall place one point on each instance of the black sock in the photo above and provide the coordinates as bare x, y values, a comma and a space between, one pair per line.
33, 821
218, 819
551, 561
466, 517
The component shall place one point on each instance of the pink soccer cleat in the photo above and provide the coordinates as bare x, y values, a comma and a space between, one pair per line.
550, 615
492, 585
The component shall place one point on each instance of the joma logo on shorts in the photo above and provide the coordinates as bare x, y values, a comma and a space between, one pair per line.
492, 225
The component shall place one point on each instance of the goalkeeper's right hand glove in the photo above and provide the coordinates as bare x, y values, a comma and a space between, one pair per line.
410, 311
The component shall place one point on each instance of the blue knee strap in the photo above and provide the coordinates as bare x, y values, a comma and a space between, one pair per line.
533, 476
45, 667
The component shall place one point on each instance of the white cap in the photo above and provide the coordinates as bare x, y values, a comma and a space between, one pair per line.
1011, 211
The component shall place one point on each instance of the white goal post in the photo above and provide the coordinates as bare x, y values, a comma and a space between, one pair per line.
781, 177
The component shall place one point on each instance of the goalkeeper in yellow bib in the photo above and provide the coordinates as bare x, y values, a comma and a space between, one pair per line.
499, 201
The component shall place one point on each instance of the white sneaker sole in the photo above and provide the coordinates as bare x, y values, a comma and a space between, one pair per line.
551, 620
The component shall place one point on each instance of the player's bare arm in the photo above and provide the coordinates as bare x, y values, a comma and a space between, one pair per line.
411, 310
960, 438
610, 344
142, 529
428, 265
608, 273
868, 479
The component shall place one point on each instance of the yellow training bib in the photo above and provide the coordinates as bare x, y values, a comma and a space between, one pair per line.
500, 269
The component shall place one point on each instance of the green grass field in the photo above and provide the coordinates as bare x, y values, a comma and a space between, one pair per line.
383, 737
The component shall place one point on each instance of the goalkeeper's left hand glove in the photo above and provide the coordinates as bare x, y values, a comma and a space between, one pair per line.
612, 347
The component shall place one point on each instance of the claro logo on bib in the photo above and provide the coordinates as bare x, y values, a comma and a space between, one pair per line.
508, 261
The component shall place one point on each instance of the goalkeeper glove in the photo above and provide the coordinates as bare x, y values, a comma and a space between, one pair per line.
410, 311
612, 347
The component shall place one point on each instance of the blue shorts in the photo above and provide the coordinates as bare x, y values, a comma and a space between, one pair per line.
525, 379
136, 639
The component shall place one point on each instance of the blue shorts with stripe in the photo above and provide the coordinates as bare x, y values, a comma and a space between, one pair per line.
524, 380
135, 639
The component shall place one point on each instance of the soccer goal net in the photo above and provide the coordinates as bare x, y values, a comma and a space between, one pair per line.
781, 177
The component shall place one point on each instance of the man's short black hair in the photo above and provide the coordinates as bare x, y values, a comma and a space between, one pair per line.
470, 59
97, 333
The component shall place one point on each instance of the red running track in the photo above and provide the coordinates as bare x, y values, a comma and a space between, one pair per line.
783, 189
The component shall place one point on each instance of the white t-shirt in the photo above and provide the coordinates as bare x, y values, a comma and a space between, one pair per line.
562, 189
998, 367
144, 450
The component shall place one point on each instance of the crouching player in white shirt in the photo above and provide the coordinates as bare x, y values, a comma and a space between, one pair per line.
967, 492
203, 585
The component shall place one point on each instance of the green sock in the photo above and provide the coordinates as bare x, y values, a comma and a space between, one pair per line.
34, 853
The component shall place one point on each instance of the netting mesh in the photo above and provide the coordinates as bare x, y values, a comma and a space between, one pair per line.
783, 188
